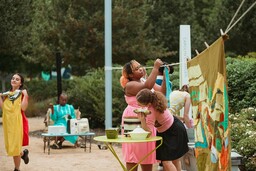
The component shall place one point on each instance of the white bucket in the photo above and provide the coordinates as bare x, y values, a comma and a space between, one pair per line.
131, 123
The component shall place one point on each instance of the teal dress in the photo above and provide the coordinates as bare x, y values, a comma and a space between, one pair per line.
60, 118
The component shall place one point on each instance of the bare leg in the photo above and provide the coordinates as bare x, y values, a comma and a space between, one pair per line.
131, 165
177, 164
16, 160
146, 167
61, 139
76, 144
168, 166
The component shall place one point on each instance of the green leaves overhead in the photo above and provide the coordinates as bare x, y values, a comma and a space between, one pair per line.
33, 31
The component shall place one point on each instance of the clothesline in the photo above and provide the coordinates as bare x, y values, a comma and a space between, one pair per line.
230, 27
147, 67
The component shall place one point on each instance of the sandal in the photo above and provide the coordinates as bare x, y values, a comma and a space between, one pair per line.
59, 144
55, 146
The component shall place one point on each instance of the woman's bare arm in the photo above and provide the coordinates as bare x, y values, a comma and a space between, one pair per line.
1, 100
24, 103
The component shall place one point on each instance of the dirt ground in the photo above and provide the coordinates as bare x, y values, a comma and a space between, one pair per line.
66, 159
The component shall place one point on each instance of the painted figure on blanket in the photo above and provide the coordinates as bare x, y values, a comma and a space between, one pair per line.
60, 114
132, 81
171, 129
15, 124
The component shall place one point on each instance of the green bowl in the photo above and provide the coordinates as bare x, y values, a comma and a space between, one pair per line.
112, 133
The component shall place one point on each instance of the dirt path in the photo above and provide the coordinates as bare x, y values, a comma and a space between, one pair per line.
66, 159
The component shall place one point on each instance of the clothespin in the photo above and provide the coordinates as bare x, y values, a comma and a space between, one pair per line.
197, 52
221, 32
206, 45
224, 35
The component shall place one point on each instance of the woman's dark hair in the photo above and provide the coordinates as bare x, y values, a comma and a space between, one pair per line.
21, 80
185, 88
128, 69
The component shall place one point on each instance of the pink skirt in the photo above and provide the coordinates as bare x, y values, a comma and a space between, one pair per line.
134, 152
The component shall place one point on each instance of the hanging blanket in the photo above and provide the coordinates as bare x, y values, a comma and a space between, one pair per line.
208, 89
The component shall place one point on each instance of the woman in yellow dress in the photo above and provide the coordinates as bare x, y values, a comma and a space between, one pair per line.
15, 125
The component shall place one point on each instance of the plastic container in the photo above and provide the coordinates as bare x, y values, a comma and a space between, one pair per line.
130, 123
112, 133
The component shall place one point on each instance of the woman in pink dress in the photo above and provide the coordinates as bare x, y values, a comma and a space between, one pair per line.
132, 82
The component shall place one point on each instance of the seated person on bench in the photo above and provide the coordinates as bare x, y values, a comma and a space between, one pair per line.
48, 121
60, 114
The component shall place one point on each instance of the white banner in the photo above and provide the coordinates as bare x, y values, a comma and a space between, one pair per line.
185, 53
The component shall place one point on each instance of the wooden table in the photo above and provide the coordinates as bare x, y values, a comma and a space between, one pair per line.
85, 136
123, 139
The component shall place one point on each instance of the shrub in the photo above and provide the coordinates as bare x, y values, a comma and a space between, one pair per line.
241, 83
243, 136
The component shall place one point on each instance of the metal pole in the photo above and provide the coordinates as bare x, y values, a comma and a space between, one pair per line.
58, 69
108, 63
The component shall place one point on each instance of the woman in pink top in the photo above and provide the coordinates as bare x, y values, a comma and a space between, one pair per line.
171, 129
132, 82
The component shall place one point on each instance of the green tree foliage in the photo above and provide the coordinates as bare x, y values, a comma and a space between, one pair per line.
242, 35
144, 29
206, 18
14, 18
130, 38
76, 29
165, 17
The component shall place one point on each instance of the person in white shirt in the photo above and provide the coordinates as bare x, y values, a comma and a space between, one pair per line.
181, 99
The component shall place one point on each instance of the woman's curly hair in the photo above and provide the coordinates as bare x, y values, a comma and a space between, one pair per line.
156, 98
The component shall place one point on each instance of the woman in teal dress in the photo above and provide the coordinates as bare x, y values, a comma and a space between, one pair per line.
61, 113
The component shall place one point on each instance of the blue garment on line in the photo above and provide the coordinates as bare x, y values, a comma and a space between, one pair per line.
168, 84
